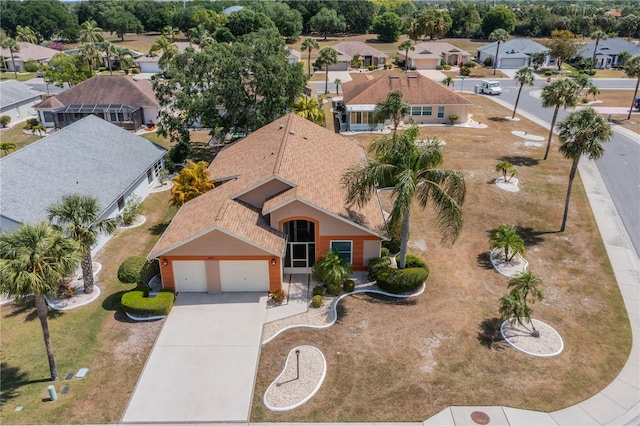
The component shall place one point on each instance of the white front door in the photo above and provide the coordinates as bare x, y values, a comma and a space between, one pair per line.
190, 275
244, 275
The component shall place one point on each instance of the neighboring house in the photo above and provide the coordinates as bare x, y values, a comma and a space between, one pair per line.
27, 52
294, 56
277, 207
115, 98
513, 54
229, 10
348, 49
90, 157
17, 100
427, 56
149, 63
429, 102
609, 50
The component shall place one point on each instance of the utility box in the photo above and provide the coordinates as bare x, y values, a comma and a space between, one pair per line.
476, 89
490, 87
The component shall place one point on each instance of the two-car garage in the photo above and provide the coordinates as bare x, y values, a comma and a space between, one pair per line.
220, 275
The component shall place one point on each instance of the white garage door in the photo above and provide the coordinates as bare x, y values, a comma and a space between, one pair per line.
244, 275
190, 275
508, 63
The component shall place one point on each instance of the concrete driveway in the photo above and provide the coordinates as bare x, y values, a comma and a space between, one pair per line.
203, 365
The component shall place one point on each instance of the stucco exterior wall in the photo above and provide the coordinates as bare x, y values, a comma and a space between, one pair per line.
370, 250
22, 110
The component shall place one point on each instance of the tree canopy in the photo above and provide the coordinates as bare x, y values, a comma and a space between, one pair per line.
327, 21
499, 17
388, 26
122, 22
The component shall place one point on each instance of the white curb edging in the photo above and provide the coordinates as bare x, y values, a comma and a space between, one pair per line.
497, 268
527, 352
94, 296
135, 318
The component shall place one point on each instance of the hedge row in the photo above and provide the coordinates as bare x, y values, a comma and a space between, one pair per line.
138, 303
396, 281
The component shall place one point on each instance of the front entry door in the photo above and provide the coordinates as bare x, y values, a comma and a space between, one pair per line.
301, 247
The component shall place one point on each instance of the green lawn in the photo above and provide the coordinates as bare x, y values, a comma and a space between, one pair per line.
16, 135
22, 76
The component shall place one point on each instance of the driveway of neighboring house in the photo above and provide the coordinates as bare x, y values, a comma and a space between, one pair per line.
434, 75
203, 365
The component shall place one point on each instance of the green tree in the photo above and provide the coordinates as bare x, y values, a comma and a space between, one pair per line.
26, 34
8, 147
78, 218
90, 32
245, 21
309, 109
499, 17
12, 45
124, 58
448, 81
393, 107
593, 90
597, 36
168, 49
515, 304
287, 20
63, 68
630, 26
562, 46
559, 93
581, 133
523, 76
632, 70
337, 82
505, 168
192, 181
506, 238
406, 46
327, 21
121, 22
33, 259
538, 58
388, 26
434, 23
110, 52
498, 36
411, 170
309, 44
208, 20
92, 54
326, 57
170, 32
465, 18
331, 269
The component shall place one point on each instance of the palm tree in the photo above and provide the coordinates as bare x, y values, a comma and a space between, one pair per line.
331, 268
198, 34
414, 31
515, 304
7, 147
593, 90
559, 93
393, 107
448, 81
632, 69
406, 46
90, 32
124, 58
597, 36
337, 82
192, 181
581, 133
39, 129
523, 76
91, 54
326, 57
506, 238
169, 51
309, 44
309, 109
26, 34
110, 52
498, 35
78, 217
33, 259
170, 32
505, 167
13, 46
412, 172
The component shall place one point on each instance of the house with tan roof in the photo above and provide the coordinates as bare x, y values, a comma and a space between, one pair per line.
427, 56
429, 102
348, 49
278, 205
117, 99
150, 63
27, 52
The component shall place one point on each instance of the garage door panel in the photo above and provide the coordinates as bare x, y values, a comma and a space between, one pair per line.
190, 275
244, 275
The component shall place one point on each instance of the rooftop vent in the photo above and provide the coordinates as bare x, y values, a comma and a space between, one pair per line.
291, 132
281, 126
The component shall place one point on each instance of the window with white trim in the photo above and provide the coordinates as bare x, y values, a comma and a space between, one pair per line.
344, 249
440, 112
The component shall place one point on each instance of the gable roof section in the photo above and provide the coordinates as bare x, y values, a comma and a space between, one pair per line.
105, 89
351, 48
416, 90
438, 48
517, 45
30, 51
610, 46
90, 157
13, 92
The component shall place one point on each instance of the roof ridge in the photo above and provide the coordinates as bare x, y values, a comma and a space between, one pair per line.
283, 144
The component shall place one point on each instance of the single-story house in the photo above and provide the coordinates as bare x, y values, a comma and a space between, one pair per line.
609, 50
118, 99
17, 100
149, 63
427, 56
294, 56
513, 54
429, 102
27, 52
277, 207
89, 157
348, 49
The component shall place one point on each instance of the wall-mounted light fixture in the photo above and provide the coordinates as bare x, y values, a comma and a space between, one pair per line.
273, 262
165, 262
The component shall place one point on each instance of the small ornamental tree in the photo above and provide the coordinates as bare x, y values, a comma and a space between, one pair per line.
506, 238
515, 305
331, 269
505, 168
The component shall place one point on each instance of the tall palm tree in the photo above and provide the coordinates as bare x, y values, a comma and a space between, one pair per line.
406, 46
392, 107
506, 237
90, 32
498, 35
168, 49
581, 133
13, 46
33, 258
7, 147
78, 217
523, 76
26, 34
411, 171
124, 58
326, 57
110, 52
414, 31
632, 69
559, 93
516, 303
309, 44
597, 36
337, 82
309, 109
91, 54
192, 181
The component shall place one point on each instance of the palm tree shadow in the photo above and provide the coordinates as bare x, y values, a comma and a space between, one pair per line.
489, 334
498, 119
530, 236
484, 261
13, 378
520, 161
159, 228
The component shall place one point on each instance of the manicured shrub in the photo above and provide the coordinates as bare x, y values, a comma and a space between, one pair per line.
320, 290
135, 303
592, 72
487, 62
102, 69
384, 252
277, 296
446, 67
376, 265
31, 122
317, 301
372, 68
439, 67
135, 71
4, 120
414, 262
349, 285
401, 280
548, 73
149, 270
130, 271
584, 100
453, 118
31, 65
334, 289
470, 64
465, 71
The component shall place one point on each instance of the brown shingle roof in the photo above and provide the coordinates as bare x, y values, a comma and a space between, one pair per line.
416, 90
29, 51
105, 89
351, 48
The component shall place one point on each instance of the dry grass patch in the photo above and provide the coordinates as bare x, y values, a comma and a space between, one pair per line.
619, 98
16, 135
392, 360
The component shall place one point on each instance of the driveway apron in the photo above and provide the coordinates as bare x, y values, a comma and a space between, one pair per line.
203, 365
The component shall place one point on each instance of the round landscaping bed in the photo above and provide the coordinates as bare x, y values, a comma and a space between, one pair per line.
139, 305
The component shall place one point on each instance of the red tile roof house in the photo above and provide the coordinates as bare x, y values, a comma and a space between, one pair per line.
277, 207
430, 102
117, 99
